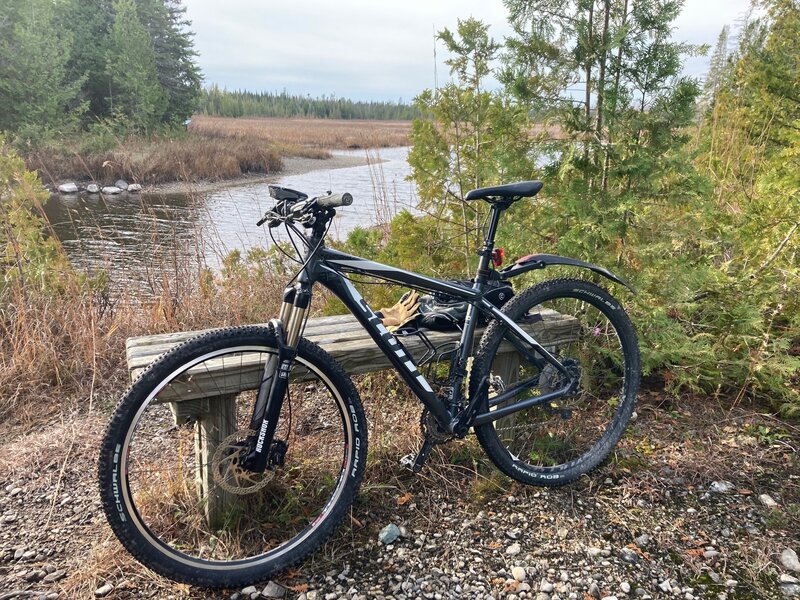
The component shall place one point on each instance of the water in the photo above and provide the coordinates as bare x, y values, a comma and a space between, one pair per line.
136, 237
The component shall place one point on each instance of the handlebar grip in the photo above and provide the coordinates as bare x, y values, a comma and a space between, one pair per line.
334, 200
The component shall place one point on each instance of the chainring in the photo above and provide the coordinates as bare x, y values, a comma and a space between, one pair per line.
226, 469
431, 430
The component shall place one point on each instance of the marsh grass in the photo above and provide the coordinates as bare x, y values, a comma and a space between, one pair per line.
213, 148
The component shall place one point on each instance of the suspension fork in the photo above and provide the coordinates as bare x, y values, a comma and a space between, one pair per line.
275, 378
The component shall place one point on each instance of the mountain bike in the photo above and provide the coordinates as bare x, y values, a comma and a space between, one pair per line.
548, 392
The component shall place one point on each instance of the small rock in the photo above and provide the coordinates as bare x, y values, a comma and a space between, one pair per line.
513, 534
519, 574
629, 556
312, 595
790, 590
18, 553
103, 590
594, 590
513, 549
273, 590
15, 491
235, 596
111, 190
767, 501
93, 188
121, 184
665, 585
135, 188
28, 555
721, 487
563, 533
389, 534
625, 587
249, 590
593, 551
524, 587
55, 576
546, 586
731, 583
609, 598
68, 188
788, 579
789, 560
34, 575
710, 554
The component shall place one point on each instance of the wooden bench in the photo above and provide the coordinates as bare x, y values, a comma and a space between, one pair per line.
214, 408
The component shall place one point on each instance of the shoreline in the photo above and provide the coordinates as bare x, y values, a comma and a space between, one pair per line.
292, 165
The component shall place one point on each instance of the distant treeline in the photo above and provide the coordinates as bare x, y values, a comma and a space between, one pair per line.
239, 103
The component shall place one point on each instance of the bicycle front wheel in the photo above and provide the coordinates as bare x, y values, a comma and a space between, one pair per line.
554, 442
170, 476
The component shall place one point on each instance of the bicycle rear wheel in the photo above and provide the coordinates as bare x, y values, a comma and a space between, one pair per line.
170, 480
588, 332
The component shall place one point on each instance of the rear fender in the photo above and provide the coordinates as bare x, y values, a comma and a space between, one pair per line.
540, 261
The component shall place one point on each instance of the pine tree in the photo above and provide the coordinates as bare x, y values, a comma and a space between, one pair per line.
471, 138
37, 96
135, 91
178, 74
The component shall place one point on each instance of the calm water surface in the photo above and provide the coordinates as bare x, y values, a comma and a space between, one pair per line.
137, 238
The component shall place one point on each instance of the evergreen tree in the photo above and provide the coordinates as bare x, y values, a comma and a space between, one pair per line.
90, 22
36, 94
471, 137
178, 74
135, 91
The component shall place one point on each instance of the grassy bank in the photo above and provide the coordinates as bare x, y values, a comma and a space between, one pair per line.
213, 149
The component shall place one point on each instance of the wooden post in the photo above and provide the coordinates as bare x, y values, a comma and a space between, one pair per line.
213, 426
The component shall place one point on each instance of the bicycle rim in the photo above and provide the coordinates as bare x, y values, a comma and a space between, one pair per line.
216, 516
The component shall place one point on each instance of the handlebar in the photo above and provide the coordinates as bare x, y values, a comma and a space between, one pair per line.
303, 210
334, 200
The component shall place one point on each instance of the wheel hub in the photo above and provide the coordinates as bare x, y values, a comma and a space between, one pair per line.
226, 466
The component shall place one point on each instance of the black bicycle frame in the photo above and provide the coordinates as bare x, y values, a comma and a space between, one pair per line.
329, 271
330, 268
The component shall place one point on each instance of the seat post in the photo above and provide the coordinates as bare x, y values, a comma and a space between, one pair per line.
488, 244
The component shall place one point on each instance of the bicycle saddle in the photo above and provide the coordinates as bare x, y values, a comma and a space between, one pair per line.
510, 191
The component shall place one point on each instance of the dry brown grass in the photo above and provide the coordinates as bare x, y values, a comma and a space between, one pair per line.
215, 148
66, 348
327, 134
192, 158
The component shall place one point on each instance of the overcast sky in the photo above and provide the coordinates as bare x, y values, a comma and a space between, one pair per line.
367, 49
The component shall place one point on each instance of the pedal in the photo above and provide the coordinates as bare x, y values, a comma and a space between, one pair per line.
407, 461
415, 462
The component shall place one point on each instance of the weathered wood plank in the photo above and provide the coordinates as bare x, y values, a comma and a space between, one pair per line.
347, 341
356, 356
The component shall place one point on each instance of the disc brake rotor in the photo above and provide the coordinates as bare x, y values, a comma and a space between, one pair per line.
226, 468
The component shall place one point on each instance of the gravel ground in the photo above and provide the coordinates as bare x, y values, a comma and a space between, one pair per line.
698, 502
